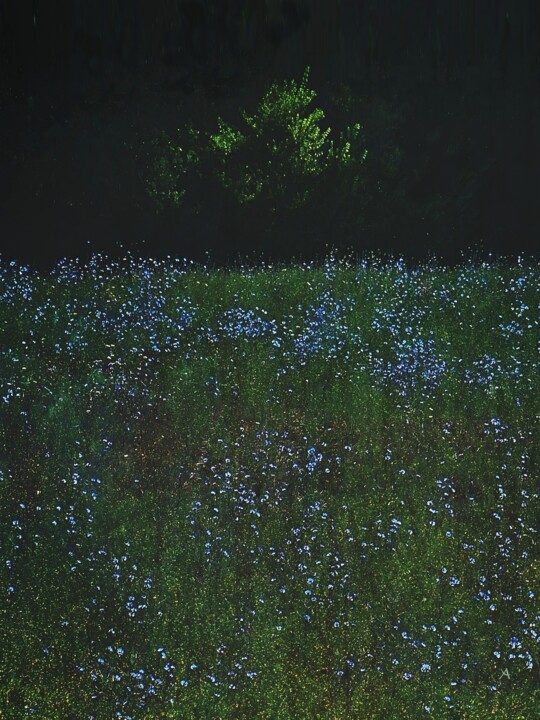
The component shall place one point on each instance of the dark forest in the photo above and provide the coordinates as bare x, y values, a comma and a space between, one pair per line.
446, 93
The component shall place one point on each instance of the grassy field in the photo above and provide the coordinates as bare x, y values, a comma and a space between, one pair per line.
279, 492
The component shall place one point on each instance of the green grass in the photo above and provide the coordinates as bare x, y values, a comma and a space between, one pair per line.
269, 493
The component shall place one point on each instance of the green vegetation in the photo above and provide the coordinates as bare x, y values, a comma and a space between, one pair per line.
282, 148
282, 167
305, 491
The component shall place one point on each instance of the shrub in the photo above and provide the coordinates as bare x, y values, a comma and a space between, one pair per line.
273, 166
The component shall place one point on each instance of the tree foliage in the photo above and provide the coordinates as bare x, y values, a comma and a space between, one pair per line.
281, 159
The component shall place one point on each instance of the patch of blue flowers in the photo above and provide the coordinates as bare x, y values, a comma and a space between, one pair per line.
237, 323
416, 366
325, 328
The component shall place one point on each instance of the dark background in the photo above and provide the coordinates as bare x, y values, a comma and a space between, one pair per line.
450, 87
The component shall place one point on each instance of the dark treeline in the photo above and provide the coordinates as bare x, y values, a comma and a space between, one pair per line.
452, 86
60, 42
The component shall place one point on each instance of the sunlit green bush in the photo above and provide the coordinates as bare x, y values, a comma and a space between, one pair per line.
277, 162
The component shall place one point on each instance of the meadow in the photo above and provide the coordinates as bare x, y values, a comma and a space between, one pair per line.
279, 492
